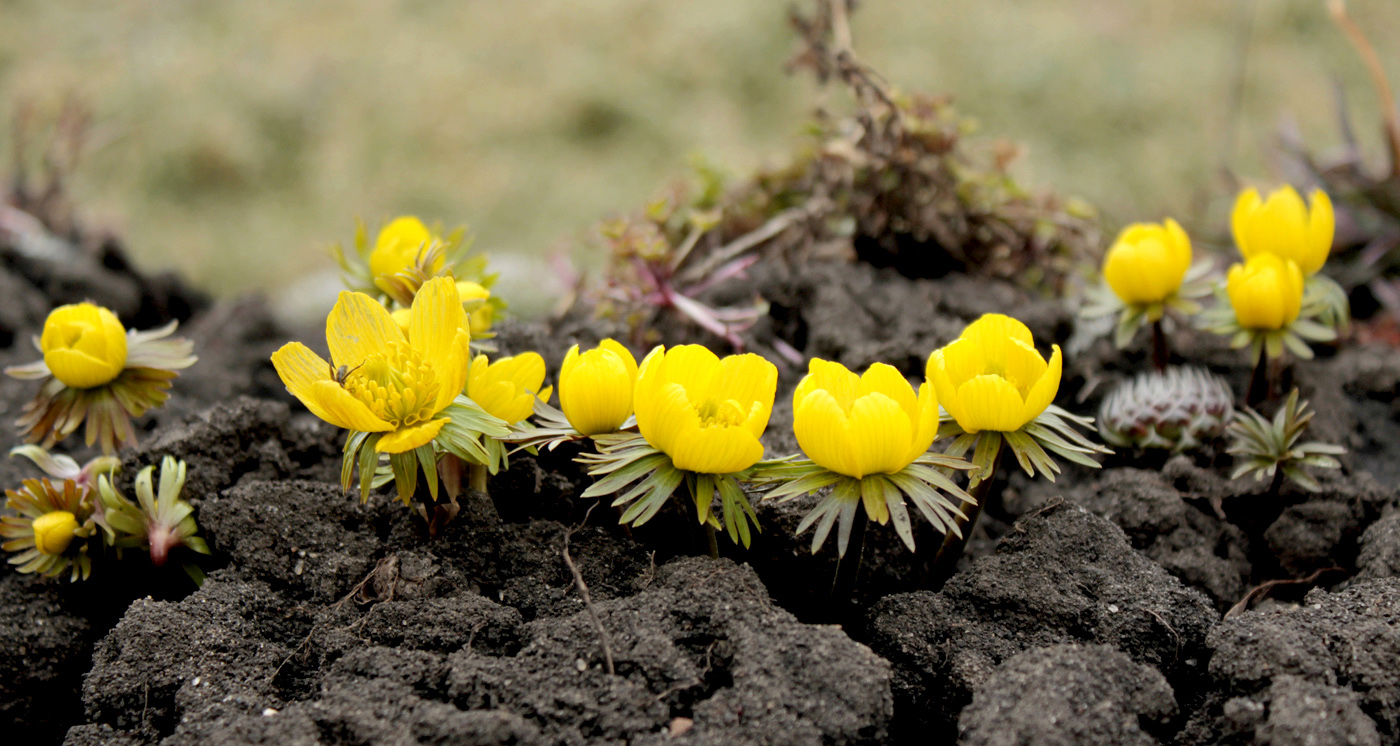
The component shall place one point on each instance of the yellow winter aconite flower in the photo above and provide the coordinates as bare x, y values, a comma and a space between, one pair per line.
482, 318
707, 414
1283, 226
1266, 292
392, 382
507, 388
53, 532
1148, 262
84, 345
860, 425
992, 378
398, 246
595, 387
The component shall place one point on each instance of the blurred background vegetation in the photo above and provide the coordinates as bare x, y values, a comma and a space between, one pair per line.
234, 141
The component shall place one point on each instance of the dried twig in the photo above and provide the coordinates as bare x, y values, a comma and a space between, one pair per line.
1338, 9
587, 601
1262, 589
736, 248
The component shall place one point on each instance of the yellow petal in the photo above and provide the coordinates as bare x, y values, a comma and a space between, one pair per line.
303, 372
1321, 230
752, 382
409, 438
925, 424
332, 403
1282, 224
1042, 394
988, 403
880, 434
398, 245
887, 380
1240, 221
820, 424
1023, 366
404, 318
84, 345
936, 373
359, 327
645, 395
715, 450
79, 370
435, 321
595, 390
834, 378
994, 329
452, 377
694, 367
671, 415
472, 291
623, 353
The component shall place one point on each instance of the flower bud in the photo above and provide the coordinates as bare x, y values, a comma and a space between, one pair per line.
1266, 292
398, 246
84, 345
53, 532
992, 377
1148, 262
1283, 226
507, 388
595, 387
862, 425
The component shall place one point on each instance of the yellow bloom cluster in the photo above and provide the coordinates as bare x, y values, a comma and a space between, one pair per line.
1283, 241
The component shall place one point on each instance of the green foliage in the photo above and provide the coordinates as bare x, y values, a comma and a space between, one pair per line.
1270, 449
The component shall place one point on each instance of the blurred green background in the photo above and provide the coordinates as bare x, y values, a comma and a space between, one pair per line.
235, 140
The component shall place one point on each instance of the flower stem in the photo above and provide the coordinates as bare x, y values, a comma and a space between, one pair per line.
1276, 485
848, 567
945, 563
1161, 355
712, 540
476, 477
1259, 381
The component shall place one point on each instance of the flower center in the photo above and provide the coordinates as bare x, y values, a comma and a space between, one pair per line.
719, 413
400, 388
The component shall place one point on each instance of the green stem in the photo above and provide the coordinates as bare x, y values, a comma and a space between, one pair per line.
713, 540
945, 563
477, 476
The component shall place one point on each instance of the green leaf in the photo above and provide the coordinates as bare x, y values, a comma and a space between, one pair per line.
368, 459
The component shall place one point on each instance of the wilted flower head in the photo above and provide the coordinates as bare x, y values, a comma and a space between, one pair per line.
707, 414
1266, 292
1283, 226
992, 378
596, 387
1148, 262
393, 382
61, 467
508, 387
47, 519
860, 425
95, 371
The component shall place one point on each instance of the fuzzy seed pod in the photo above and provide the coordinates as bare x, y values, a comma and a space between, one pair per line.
1177, 410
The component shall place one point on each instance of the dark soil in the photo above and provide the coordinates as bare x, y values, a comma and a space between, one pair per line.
1087, 611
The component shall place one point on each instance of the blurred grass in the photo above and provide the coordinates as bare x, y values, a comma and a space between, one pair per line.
238, 139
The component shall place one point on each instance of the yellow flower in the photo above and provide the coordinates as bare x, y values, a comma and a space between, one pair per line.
395, 383
507, 388
595, 388
707, 414
1283, 226
992, 378
53, 532
84, 345
1266, 292
479, 320
859, 425
398, 246
484, 315
1148, 262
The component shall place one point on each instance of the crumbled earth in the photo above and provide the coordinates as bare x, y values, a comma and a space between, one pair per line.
1069, 695
1060, 576
1085, 611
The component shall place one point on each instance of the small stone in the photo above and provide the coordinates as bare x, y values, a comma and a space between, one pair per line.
679, 727
269, 712
581, 665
